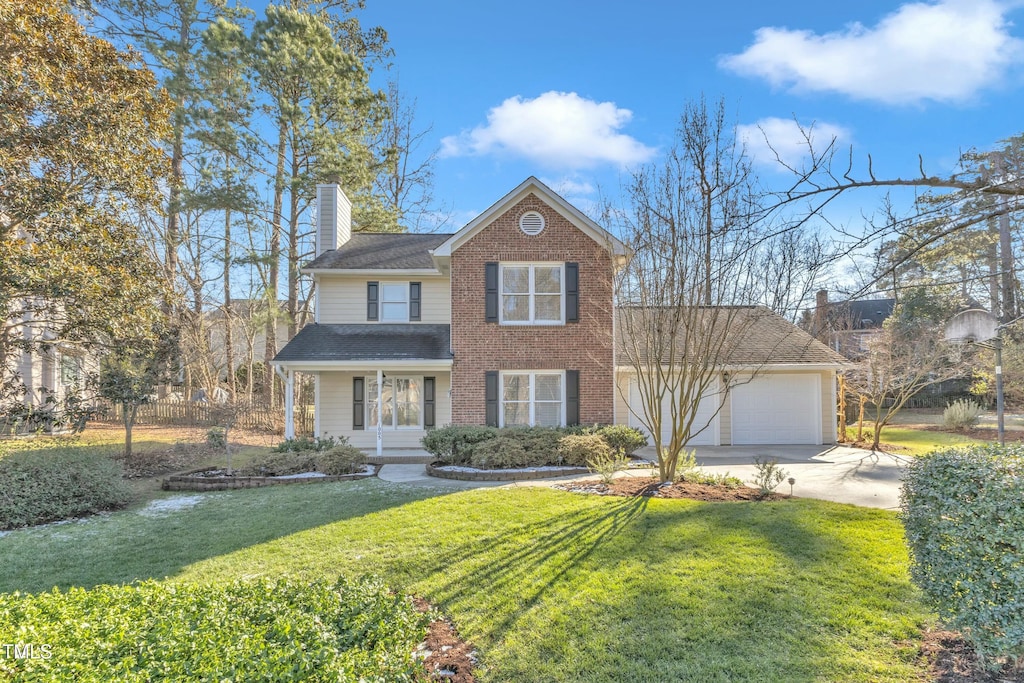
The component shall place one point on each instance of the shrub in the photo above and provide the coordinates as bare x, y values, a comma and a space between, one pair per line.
253, 630
501, 452
686, 463
454, 445
38, 486
623, 439
965, 528
709, 479
343, 459
607, 464
541, 443
216, 437
579, 450
277, 464
317, 444
769, 475
961, 414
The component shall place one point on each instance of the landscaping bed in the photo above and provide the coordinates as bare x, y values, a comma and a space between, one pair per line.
650, 487
219, 480
463, 473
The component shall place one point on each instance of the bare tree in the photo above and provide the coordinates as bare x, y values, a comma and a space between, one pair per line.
692, 294
902, 359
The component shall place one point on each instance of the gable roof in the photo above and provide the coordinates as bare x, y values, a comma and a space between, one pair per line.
756, 335
535, 186
381, 251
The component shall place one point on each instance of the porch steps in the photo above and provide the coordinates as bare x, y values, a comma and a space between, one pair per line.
398, 457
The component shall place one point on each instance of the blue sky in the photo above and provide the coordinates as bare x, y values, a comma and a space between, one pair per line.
579, 93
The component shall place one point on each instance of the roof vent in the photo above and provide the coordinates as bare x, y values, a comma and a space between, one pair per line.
531, 223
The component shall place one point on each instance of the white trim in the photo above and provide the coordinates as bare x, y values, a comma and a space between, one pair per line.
316, 404
532, 400
531, 184
531, 292
834, 411
763, 367
381, 285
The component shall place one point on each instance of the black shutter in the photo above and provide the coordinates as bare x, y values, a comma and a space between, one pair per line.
572, 292
414, 300
371, 300
428, 402
572, 397
491, 292
492, 398
358, 404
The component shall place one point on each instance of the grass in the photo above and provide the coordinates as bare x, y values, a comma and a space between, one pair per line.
922, 441
550, 586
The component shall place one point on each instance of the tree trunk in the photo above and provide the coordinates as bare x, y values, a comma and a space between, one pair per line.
270, 348
128, 413
293, 248
229, 347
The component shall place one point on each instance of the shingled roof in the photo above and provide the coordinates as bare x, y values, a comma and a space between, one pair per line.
372, 342
755, 335
383, 251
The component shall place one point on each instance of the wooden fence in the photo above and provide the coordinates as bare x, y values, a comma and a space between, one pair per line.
190, 414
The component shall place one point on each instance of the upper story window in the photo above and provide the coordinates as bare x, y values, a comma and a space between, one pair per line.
394, 302
532, 293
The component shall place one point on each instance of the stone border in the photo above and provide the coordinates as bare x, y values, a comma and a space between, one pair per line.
184, 482
436, 469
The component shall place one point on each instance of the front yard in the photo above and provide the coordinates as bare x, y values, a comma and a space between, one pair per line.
548, 585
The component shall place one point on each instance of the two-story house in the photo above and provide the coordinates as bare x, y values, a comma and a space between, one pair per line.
509, 321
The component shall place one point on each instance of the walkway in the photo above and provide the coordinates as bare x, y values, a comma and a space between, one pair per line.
839, 474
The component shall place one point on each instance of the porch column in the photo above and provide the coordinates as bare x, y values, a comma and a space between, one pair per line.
289, 405
380, 412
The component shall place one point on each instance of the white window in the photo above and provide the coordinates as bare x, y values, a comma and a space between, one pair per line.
394, 302
70, 370
402, 405
532, 293
532, 398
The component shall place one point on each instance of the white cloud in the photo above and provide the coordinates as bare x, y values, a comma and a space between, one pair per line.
942, 51
556, 130
788, 139
570, 186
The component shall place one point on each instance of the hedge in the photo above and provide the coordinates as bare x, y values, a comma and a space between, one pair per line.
45, 485
254, 630
964, 518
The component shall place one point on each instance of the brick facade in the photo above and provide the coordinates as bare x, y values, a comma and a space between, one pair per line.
480, 346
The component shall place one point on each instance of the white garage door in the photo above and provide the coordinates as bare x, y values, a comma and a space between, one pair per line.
705, 414
777, 409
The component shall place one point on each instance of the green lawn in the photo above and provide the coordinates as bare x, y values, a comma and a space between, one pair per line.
921, 441
550, 586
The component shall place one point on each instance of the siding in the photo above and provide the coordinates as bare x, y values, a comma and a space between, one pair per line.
342, 298
336, 411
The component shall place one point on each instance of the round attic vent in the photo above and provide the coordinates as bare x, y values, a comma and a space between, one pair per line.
531, 223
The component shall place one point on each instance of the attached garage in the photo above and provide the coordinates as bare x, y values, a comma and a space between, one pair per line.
706, 415
778, 409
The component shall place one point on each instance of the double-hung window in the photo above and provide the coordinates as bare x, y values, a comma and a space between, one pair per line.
394, 302
402, 404
532, 293
532, 398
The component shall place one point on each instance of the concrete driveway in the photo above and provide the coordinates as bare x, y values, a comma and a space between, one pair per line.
835, 473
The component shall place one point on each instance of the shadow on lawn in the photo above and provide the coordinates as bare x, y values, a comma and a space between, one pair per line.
149, 542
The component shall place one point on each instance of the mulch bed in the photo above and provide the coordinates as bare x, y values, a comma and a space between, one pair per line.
952, 660
447, 656
180, 456
650, 487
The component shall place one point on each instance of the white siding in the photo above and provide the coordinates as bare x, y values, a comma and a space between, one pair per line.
342, 298
336, 410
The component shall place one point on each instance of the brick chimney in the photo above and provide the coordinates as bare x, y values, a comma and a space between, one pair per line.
333, 217
819, 322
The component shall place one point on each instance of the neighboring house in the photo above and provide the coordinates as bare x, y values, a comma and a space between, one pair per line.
848, 326
248, 334
509, 321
